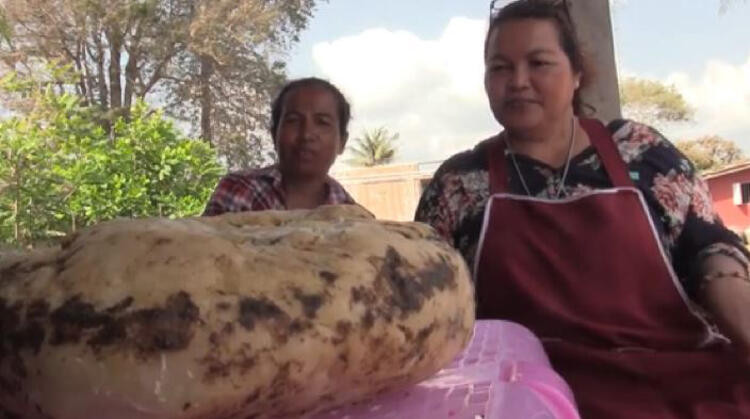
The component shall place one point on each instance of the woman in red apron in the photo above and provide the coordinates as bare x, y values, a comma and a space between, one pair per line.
602, 240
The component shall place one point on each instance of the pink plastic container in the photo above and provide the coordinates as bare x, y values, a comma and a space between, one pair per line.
504, 373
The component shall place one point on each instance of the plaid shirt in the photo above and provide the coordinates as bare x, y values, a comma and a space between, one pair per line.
259, 190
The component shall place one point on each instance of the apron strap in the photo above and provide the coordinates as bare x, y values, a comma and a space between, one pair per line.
601, 140
605, 146
499, 180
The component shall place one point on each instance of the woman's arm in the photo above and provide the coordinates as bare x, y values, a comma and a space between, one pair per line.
434, 209
725, 291
710, 259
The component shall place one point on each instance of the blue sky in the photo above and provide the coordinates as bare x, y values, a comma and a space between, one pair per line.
415, 67
658, 37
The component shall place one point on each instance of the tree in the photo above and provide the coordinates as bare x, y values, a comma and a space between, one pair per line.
653, 102
61, 170
373, 148
711, 152
212, 63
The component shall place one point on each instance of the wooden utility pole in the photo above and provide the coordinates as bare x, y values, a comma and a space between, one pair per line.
594, 26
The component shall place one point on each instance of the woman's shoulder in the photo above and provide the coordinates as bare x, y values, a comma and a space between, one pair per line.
639, 142
628, 130
467, 161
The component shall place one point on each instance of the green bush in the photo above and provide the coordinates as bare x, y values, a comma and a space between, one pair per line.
62, 170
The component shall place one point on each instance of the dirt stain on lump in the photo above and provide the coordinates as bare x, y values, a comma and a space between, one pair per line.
328, 277
148, 330
121, 306
9, 316
217, 365
364, 295
410, 286
16, 335
310, 303
37, 309
168, 328
14, 271
71, 320
26, 326
257, 309
418, 348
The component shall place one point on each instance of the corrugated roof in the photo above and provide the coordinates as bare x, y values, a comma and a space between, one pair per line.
727, 170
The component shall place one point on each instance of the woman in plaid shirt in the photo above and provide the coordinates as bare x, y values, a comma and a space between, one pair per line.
309, 120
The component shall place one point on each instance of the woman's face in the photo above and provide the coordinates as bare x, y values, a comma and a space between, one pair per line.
307, 138
528, 78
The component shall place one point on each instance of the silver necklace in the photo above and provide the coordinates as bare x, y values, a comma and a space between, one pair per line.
561, 183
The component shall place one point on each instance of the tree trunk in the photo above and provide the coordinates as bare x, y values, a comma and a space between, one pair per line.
206, 103
80, 59
17, 199
100, 73
131, 68
130, 80
115, 69
88, 78
15, 221
594, 26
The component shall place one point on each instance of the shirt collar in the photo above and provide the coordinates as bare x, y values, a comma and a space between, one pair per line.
273, 174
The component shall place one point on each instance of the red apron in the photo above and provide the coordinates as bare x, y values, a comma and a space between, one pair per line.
589, 276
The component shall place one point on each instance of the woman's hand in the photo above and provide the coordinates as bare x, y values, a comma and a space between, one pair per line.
726, 293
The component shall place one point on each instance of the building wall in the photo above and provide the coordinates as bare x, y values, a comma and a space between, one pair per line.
393, 192
388, 200
389, 192
736, 217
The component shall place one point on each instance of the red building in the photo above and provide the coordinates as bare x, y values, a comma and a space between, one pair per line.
730, 189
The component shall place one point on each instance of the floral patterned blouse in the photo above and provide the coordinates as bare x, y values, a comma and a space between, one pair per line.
677, 198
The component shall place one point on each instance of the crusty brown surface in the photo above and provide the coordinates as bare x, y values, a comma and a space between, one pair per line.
243, 315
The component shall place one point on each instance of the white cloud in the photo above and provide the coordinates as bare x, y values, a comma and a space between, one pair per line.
429, 91
721, 98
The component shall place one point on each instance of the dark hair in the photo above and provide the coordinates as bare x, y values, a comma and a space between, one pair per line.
555, 11
342, 105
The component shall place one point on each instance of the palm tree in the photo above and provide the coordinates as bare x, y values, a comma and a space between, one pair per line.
373, 148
